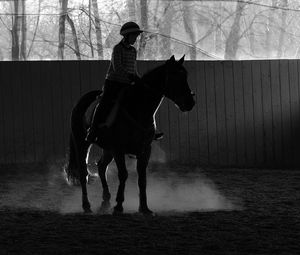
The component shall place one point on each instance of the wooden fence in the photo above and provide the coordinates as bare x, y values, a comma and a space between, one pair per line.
246, 115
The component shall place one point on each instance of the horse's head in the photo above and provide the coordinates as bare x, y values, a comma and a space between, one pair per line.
176, 86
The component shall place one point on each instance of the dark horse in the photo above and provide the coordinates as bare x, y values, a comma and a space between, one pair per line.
131, 130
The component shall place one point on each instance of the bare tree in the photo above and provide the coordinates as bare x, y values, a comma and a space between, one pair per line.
61, 31
269, 30
165, 28
35, 30
15, 32
218, 31
75, 39
98, 29
284, 4
23, 55
131, 9
144, 24
90, 28
232, 42
188, 25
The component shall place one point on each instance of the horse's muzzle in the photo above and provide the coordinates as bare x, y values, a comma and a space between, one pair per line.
188, 104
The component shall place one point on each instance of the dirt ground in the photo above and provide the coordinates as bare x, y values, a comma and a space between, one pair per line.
198, 211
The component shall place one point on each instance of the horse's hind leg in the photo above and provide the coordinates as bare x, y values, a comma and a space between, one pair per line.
83, 174
102, 164
123, 175
142, 163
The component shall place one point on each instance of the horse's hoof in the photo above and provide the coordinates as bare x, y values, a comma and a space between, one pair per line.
86, 207
106, 197
146, 212
87, 210
105, 207
118, 210
91, 178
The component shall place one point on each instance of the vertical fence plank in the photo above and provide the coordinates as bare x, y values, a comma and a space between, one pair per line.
39, 127
75, 81
16, 103
277, 114
268, 113
249, 120
4, 104
27, 108
230, 113
193, 115
258, 113
295, 108
239, 113
96, 79
2, 131
85, 76
286, 111
201, 100
20, 113
221, 114
57, 112
67, 80
10, 110
47, 100
211, 113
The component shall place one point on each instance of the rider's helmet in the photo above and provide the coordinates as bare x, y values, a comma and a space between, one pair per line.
130, 27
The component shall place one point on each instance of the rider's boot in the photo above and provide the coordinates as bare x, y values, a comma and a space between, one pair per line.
158, 136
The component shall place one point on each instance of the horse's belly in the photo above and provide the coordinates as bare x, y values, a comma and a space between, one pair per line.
126, 138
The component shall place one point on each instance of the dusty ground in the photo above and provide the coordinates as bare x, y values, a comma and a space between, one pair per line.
199, 211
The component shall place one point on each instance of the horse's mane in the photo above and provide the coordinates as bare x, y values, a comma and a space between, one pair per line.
158, 70
154, 71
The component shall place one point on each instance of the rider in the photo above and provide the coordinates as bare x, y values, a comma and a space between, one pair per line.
122, 72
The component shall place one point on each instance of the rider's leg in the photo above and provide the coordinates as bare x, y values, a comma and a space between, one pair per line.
96, 119
158, 135
102, 110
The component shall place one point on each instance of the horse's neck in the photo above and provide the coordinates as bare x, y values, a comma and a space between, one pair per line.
154, 85
154, 94
145, 99
153, 102
142, 104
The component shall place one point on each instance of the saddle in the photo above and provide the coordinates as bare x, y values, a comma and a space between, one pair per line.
122, 131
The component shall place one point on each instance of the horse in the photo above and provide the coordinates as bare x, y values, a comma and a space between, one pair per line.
131, 130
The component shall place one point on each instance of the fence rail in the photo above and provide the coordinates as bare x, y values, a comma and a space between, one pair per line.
247, 112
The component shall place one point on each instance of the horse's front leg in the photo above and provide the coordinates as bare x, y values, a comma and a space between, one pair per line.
123, 175
102, 164
142, 163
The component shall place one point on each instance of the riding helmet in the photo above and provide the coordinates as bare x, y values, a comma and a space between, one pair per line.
130, 27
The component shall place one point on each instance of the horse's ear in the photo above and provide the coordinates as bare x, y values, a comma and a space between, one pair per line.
171, 60
180, 61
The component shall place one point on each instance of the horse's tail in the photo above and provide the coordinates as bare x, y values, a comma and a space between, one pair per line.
77, 145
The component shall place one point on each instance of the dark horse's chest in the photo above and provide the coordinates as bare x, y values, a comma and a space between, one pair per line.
132, 130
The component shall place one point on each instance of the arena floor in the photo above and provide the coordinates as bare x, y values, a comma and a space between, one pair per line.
198, 211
